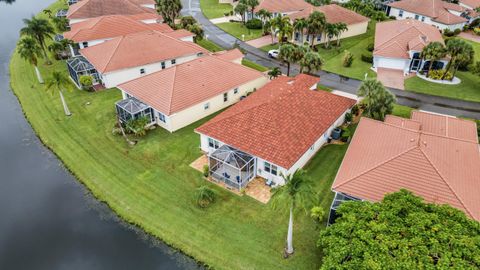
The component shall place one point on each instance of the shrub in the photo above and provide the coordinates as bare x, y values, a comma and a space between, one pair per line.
226, 14
86, 81
346, 133
348, 117
367, 58
347, 59
186, 21
370, 47
476, 30
254, 24
137, 126
437, 74
317, 213
355, 110
448, 33
204, 196
457, 31
392, 17
206, 170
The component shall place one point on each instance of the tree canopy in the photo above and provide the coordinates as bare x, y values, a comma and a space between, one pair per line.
400, 232
378, 101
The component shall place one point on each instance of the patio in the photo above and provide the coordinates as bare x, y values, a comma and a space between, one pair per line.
231, 166
132, 108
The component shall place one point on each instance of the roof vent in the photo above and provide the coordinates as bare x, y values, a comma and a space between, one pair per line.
412, 140
424, 38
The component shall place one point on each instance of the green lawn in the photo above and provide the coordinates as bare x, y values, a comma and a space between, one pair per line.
402, 111
254, 65
209, 45
152, 185
237, 29
212, 9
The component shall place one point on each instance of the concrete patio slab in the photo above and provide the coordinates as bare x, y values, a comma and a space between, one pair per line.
391, 78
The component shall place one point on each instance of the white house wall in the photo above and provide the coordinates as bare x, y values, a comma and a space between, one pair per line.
391, 63
353, 30
427, 20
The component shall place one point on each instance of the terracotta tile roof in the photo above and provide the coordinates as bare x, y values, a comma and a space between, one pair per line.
395, 38
282, 6
184, 85
333, 14
385, 157
280, 121
109, 27
230, 55
136, 50
435, 9
95, 8
179, 34
471, 3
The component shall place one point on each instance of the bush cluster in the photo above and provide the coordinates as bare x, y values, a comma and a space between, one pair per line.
437, 74
367, 58
254, 24
370, 47
347, 59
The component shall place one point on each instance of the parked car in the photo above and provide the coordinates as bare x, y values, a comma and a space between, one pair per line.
273, 53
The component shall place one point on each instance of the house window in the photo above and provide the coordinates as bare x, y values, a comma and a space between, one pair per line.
423, 18
270, 168
142, 71
163, 65
85, 44
319, 37
206, 106
225, 97
400, 13
174, 61
161, 116
199, 54
308, 37
235, 91
297, 36
213, 143
417, 17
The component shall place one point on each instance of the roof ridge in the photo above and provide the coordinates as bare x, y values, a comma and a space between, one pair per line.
375, 167
114, 51
446, 182
174, 70
397, 33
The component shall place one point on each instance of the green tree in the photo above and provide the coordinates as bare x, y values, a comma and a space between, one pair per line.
58, 82
378, 101
458, 50
59, 47
296, 194
299, 25
29, 50
186, 21
61, 23
197, 30
340, 28
316, 25
331, 30
283, 27
400, 232
464, 59
274, 73
251, 4
204, 196
311, 62
170, 10
241, 8
40, 30
434, 51
265, 16
287, 55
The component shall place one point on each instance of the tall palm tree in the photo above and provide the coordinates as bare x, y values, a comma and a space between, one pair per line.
252, 4
241, 9
311, 61
434, 51
264, 15
59, 47
299, 26
331, 30
296, 194
316, 25
340, 27
40, 30
284, 28
464, 59
29, 50
274, 73
58, 82
378, 100
456, 48
287, 54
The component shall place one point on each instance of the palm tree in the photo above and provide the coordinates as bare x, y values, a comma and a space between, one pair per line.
296, 194
340, 27
283, 27
252, 4
299, 26
58, 82
30, 51
59, 47
378, 101
287, 54
170, 10
331, 30
456, 48
264, 15
311, 61
40, 30
434, 51
61, 23
316, 25
274, 73
241, 9
464, 59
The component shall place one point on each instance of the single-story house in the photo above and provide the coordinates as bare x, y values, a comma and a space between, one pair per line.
87, 9
296, 9
100, 29
398, 45
434, 156
273, 132
135, 55
185, 93
438, 13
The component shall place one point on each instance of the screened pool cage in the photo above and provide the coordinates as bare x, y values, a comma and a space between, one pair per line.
231, 166
337, 201
62, 13
132, 108
78, 67
71, 2
58, 37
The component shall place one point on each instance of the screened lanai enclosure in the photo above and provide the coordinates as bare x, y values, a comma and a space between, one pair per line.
337, 201
78, 67
132, 108
231, 166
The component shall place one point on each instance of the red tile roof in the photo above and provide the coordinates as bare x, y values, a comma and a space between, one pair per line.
280, 121
395, 38
280, 6
184, 85
333, 14
435, 9
95, 8
471, 3
230, 55
433, 156
111, 26
138, 49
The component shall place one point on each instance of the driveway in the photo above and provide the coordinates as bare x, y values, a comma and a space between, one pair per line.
260, 42
392, 78
470, 36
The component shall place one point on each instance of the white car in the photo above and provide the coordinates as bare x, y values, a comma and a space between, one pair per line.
273, 53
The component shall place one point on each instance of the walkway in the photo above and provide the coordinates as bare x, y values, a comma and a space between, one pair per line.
416, 100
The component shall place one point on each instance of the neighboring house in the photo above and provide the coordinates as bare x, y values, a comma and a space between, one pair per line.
273, 132
87, 9
438, 13
185, 93
398, 45
296, 9
97, 30
469, 4
434, 156
131, 56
